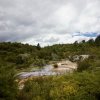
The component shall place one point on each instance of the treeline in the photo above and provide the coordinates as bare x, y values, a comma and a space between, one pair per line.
25, 55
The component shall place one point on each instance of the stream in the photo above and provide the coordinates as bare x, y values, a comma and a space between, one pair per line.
45, 71
63, 67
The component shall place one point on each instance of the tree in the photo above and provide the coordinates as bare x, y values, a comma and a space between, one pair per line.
76, 42
97, 41
83, 41
91, 41
38, 46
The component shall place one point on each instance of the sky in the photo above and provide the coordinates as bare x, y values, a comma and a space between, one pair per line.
49, 21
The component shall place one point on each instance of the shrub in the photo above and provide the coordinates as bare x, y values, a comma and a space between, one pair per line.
8, 86
55, 65
84, 65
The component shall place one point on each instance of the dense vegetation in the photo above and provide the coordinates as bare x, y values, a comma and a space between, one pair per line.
84, 84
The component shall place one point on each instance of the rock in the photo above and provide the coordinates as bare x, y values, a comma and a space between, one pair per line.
78, 58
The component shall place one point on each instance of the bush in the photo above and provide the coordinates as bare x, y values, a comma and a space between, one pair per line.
84, 65
78, 86
39, 62
55, 65
8, 86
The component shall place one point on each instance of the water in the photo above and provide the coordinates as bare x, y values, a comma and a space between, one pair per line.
47, 70
64, 67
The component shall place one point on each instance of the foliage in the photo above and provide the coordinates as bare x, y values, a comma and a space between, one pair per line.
78, 86
38, 46
8, 86
83, 65
97, 41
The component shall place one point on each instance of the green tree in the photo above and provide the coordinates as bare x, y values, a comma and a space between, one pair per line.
38, 46
91, 41
83, 41
97, 41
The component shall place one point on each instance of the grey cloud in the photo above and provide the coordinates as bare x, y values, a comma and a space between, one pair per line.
47, 40
52, 40
43, 20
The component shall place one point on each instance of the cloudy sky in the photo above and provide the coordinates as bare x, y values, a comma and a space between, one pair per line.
49, 21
